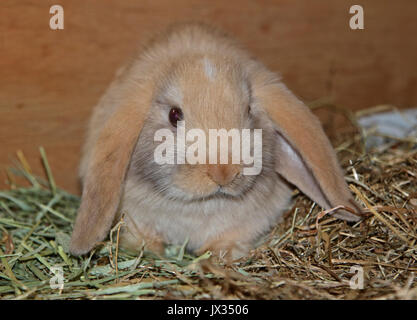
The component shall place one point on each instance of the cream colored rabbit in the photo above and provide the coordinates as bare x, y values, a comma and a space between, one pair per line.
197, 74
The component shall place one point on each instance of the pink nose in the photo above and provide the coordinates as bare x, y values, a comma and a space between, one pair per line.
223, 174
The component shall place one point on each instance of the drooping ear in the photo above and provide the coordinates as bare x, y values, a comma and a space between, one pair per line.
304, 155
105, 176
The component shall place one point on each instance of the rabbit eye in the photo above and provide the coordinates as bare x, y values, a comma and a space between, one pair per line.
175, 115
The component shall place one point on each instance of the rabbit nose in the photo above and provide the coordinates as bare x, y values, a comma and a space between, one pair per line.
223, 174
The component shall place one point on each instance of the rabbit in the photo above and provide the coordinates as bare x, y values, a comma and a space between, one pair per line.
196, 73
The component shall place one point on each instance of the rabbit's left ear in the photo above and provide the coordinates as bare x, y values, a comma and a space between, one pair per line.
304, 155
105, 175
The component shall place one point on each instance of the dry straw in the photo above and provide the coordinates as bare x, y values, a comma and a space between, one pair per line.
302, 258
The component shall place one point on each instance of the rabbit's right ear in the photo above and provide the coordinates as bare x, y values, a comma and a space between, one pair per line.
105, 176
304, 154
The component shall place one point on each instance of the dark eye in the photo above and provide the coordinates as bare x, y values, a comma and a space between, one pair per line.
175, 115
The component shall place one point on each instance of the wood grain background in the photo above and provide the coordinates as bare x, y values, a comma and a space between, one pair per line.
50, 80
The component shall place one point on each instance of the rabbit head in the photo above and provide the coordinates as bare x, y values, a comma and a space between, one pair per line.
199, 88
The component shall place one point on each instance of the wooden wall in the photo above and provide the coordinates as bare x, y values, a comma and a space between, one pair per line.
50, 80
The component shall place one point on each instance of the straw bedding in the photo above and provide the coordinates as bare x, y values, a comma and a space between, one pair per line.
310, 256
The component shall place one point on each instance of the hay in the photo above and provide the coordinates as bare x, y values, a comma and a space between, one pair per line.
302, 258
